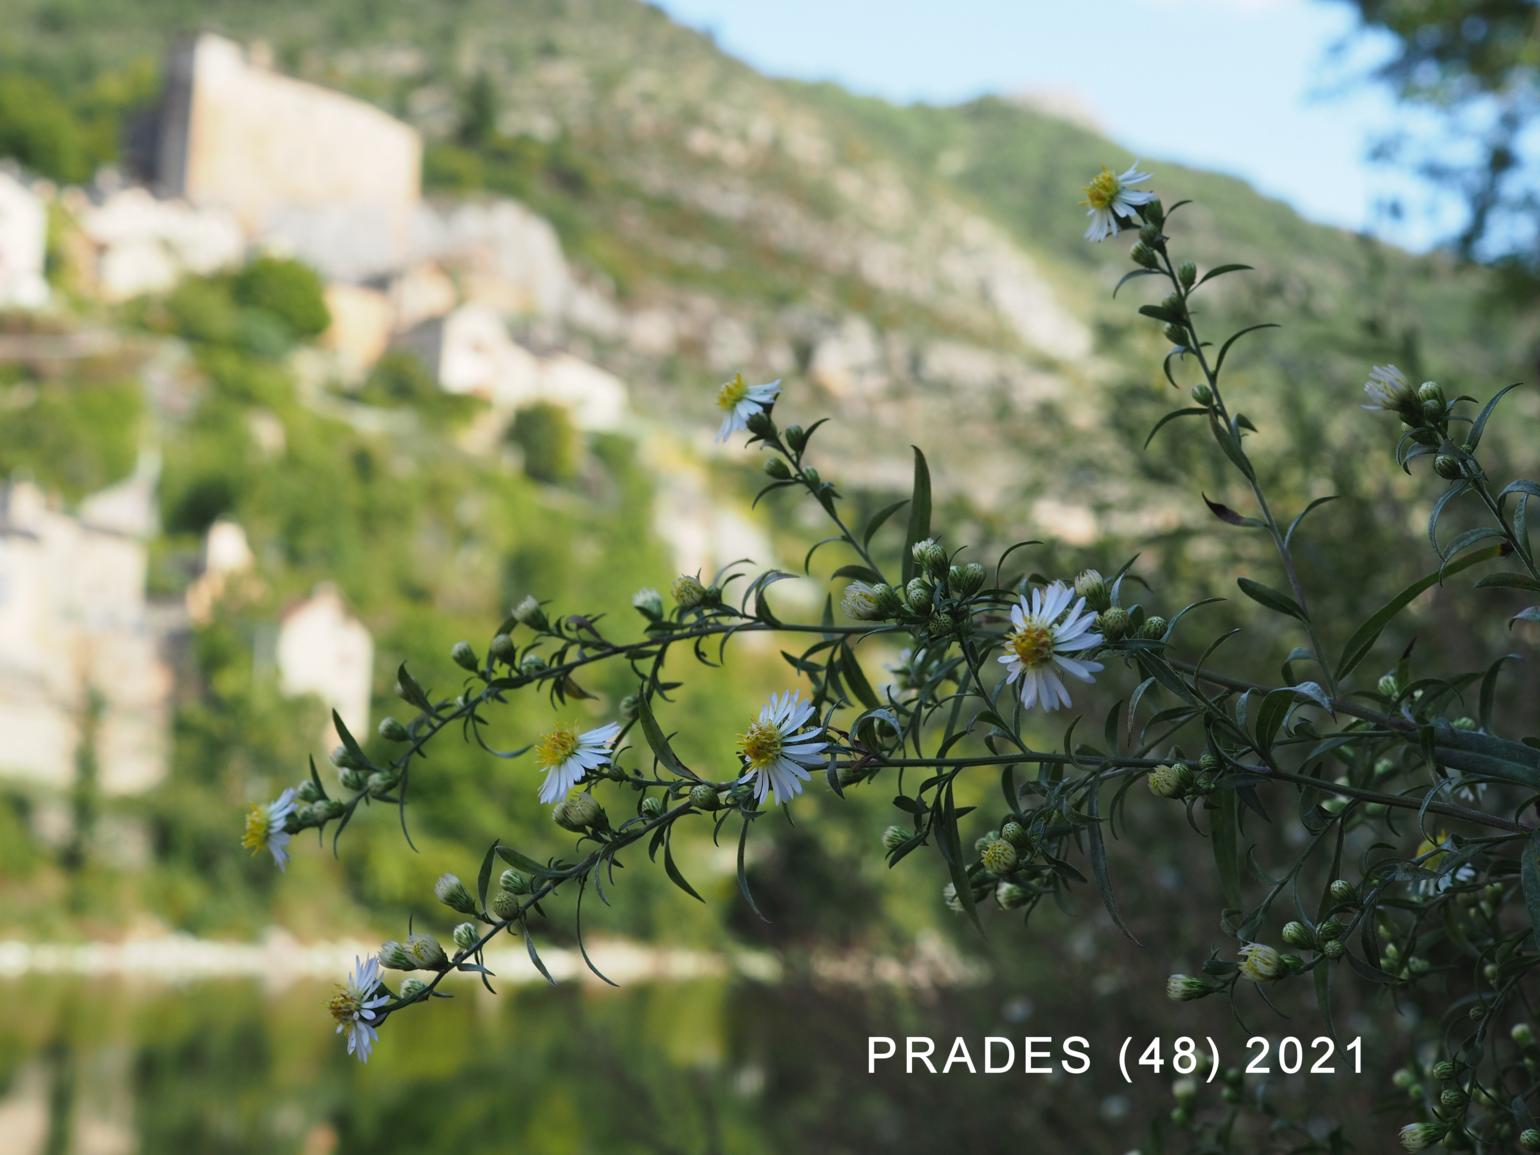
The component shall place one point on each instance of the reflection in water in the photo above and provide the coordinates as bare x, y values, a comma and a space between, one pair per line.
97, 1067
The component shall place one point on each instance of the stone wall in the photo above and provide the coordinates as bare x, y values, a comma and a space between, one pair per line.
334, 180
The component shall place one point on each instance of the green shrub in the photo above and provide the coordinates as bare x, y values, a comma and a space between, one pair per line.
289, 290
549, 440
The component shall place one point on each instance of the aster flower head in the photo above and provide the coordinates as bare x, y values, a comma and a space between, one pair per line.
738, 401
1260, 963
1419, 1136
860, 602
778, 747
265, 828
1048, 629
1110, 197
566, 755
1388, 390
353, 1007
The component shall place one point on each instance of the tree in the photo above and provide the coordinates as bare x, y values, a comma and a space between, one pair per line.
290, 290
549, 441
1474, 62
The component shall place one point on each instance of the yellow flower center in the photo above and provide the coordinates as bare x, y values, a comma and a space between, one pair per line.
258, 825
1103, 189
556, 747
732, 393
760, 745
344, 1006
1032, 644
1428, 847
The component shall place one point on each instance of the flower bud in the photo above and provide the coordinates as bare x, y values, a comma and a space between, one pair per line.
532, 665
1202, 394
1093, 587
1420, 1136
630, 707
777, 468
703, 797
464, 656
465, 935
1186, 988
966, 580
930, 557
1522, 1034
999, 857
308, 791
1402, 1078
688, 592
579, 812
1290, 962
528, 613
1444, 1070
501, 649
1010, 896
1184, 1090
1209, 762
355, 779
1176, 335
1389, 687
649, 603
1260, 963
760, 423
394, 956
1448, 466
1015, 833
1331, 928
426, 952
505, 905
1297, 934
813, 478
1150, 234
1153, 211
796, 438
1143, 256
652, 807
452, 893
1333, 949
513, 882
382, 782
1529, 1139
917, 595
1451, 1098
344, 759
1154, 628
1169, 781
894, 837
1187, 273
392, 730
1112, 624
1431, 396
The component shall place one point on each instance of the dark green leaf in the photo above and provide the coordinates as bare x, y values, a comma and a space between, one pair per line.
1273, 599
919, 512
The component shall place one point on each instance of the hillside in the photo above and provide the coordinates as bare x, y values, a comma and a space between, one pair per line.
918, 272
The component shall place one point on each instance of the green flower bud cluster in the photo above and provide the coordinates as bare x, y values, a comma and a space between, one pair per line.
581, 813
452, 893
1170, 781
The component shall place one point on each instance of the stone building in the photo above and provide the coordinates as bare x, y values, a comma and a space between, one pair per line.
140, 243
23, 245
324, 650
77, 640
334, 181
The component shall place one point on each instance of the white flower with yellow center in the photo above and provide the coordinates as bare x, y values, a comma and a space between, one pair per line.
776, 748
738, 401
565, 756
1038, 649
265, 828
1388, 389
1433, 854
1110, 197
353, 1007
1260, 963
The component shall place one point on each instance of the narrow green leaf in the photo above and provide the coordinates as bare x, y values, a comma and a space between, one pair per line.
1273, 599
919, 512
1529, 880
658, 741
1224, 833
1099, 869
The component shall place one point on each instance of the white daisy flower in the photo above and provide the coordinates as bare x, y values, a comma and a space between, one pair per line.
265, 828
1388, 389
1431, 855
1110, 197
738, 401
565, 756
353, 1007
1038, 648
776, 748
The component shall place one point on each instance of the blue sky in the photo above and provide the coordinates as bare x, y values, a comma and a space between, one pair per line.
1248, 87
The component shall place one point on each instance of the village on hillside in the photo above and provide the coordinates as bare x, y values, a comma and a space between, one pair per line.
240, 161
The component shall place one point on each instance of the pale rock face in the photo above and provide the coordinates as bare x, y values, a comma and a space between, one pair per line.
74, 624
145, 245
653, 333
419, 293
702, 531
362, 320
597, 399
23, 245
510, 257
730, 344
849, 361
322, 649
226, 557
